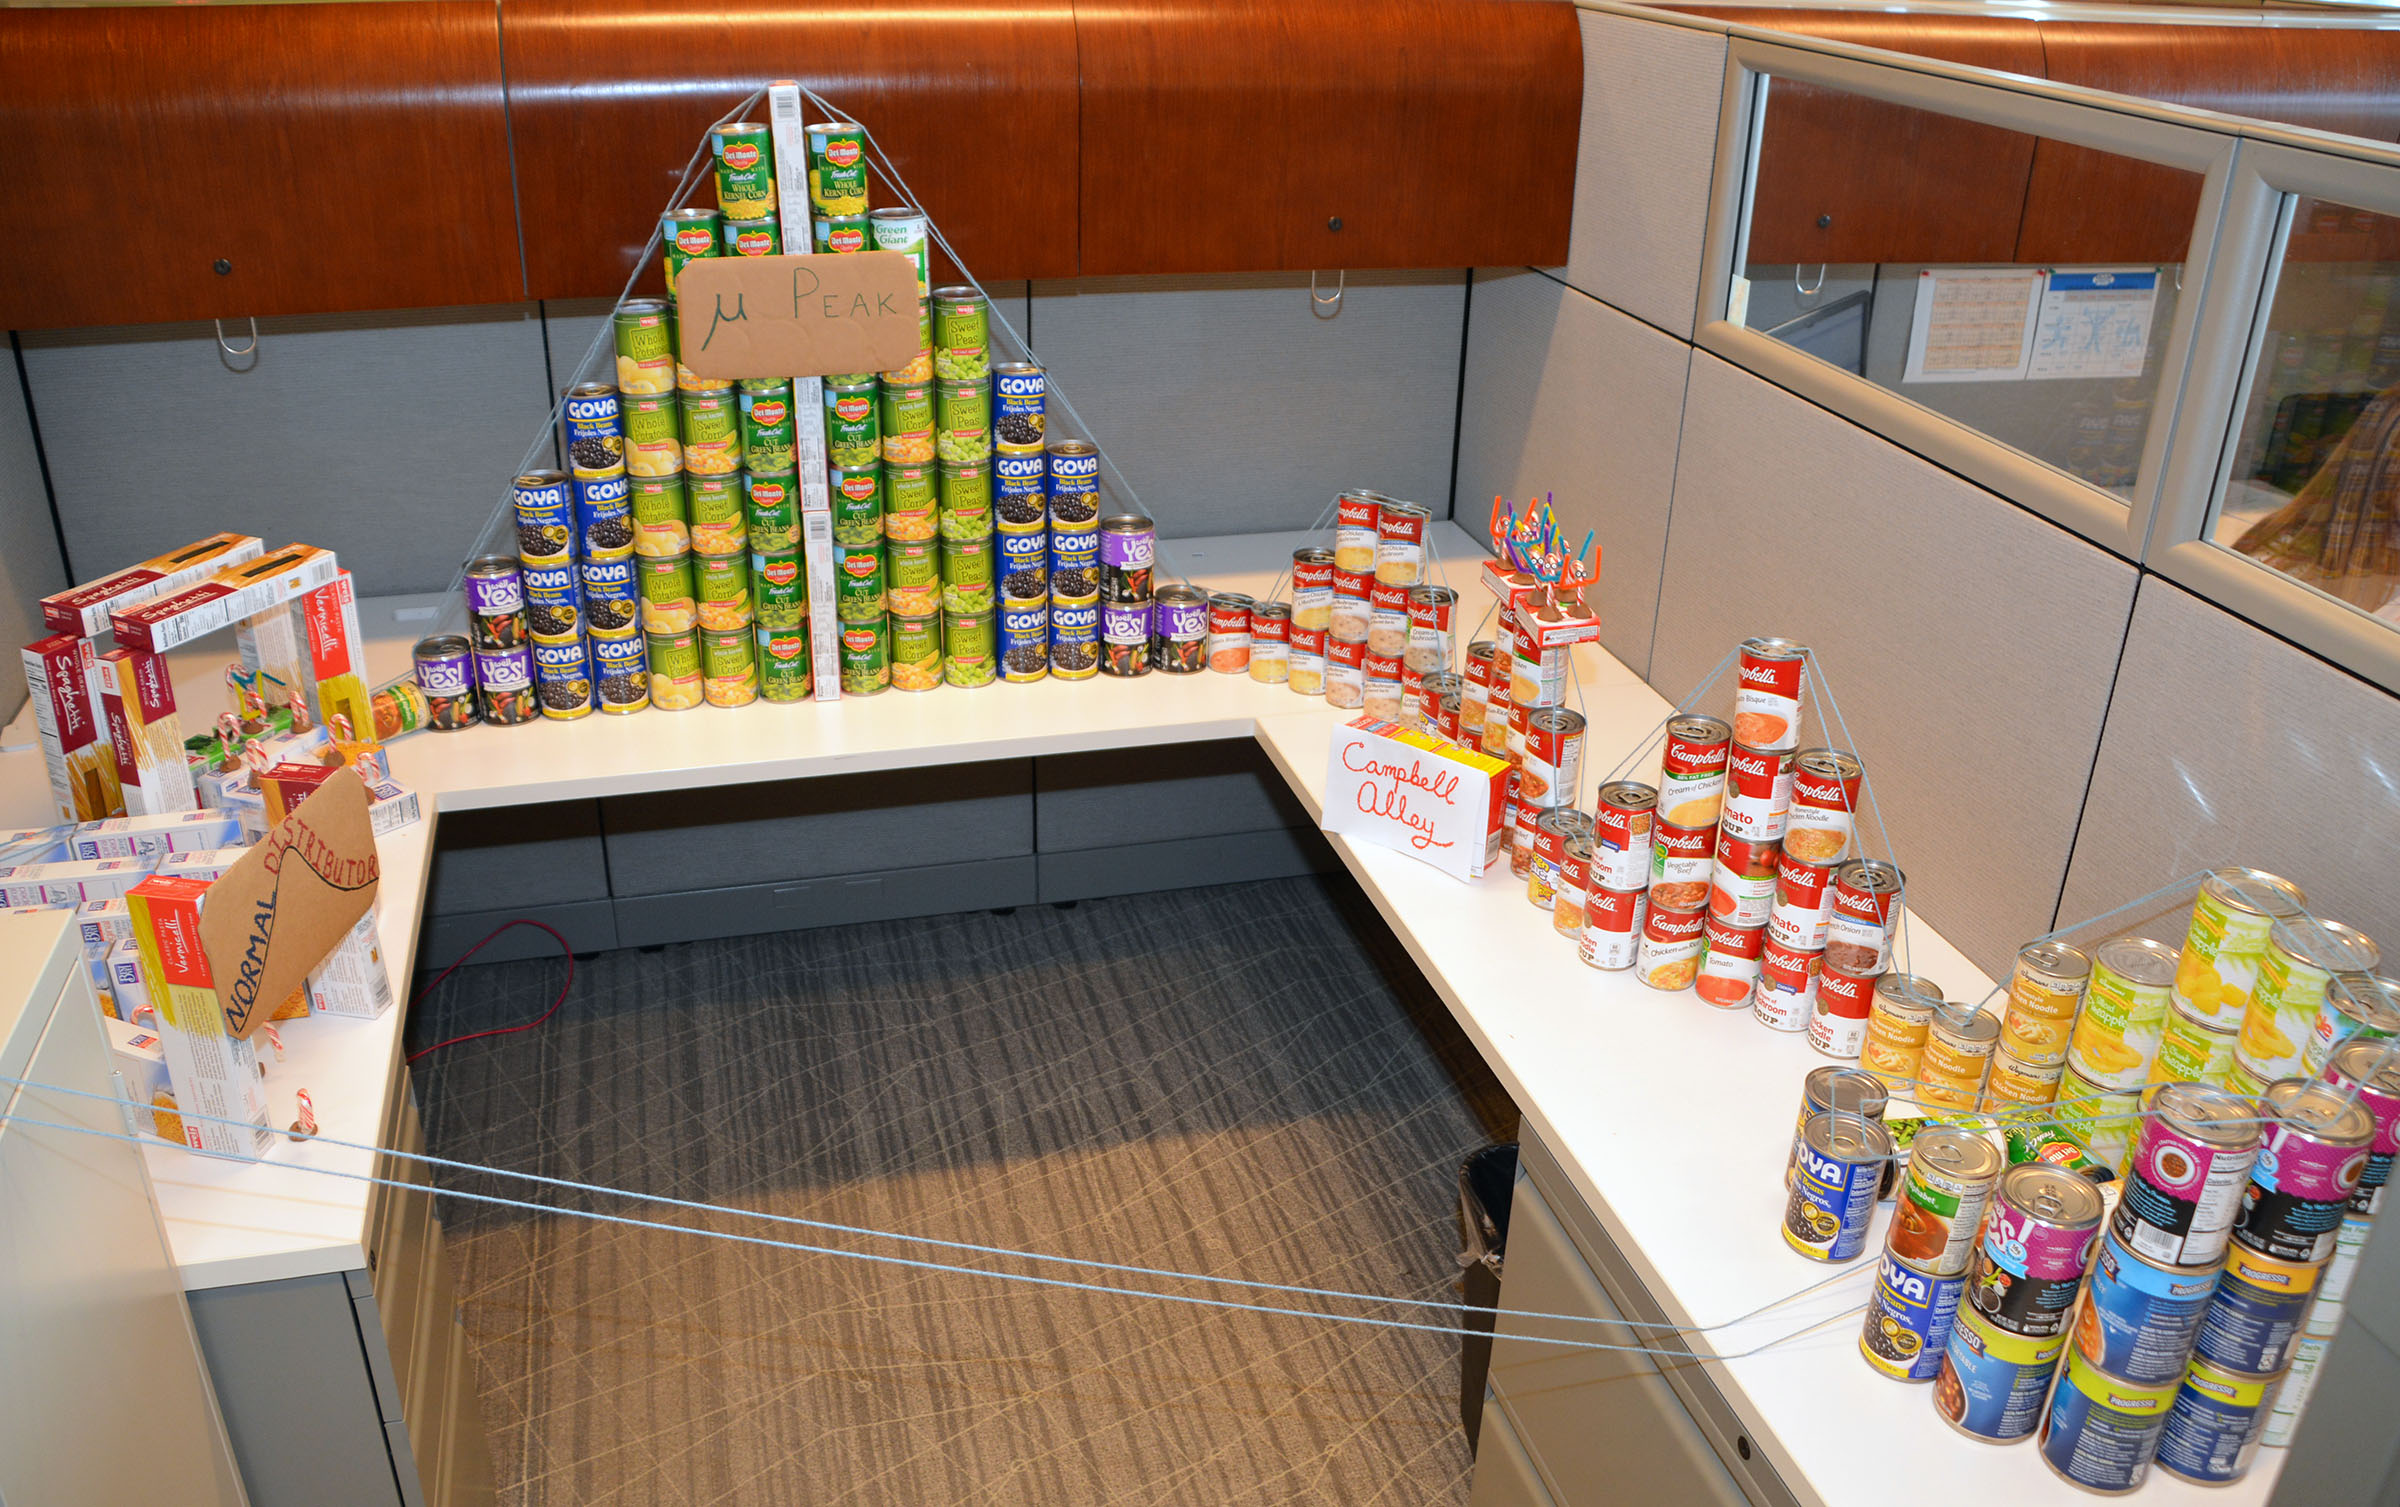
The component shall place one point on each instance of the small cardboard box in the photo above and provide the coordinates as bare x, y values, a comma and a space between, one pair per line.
83, 610
1416, 794
225, 599
211, 1070
37, 844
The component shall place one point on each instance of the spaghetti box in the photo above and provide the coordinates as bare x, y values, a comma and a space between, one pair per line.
249, 812
154, 837
137, 703
1417, 794
209, 1069
140, 1058
37, 844
352, 980
58, 885
125, 979
84, 610
225, 599
59, 673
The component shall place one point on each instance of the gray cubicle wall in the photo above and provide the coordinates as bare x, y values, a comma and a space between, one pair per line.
30, 567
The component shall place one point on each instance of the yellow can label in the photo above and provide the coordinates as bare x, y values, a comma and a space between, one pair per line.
2221, 956
2282, 1013
2117, 1034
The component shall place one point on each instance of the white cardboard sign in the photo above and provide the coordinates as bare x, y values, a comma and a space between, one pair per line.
1415, 794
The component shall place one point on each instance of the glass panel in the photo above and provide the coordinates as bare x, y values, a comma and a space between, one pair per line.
2313, 490
2020, 285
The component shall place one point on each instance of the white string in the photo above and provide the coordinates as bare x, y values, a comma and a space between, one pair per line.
1866, 780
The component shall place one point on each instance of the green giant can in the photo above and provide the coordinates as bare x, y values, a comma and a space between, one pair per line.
903, 230
745, 155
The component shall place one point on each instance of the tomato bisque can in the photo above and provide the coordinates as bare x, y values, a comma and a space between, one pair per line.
1838, 1025
1959, 1043
1741, 884
1787, 987
1729, 963
1943, 1194
1681, 859
1229, 632
1622, 814
1553, 756
1552, 830
1672, 941
1758, 793
1612, 926
1859, 916
2218, 1419
2303, 954
1909, 1319
1824, 813
2101, 1431
1355, 516
2313, 1154
1573, 883
1898, 1021
1803, 895
2184, 1181
2140, 1316
2227, 939
1691, 770
2036, 1245
1832, 1197
1766, 700
2366, 1069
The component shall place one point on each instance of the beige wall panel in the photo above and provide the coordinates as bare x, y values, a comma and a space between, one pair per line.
1971, 644
1567, 396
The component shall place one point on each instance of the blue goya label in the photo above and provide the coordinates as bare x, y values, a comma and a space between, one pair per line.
1832, 1201
595, 432
621, 670
1019, 478
545, 508
604, 515
562, 677
553, 601
1909, 1320
1024, 561
1075, 546
2138, 1318
593, 413
1017, 400
1025, 640
611, 595
1992, 1382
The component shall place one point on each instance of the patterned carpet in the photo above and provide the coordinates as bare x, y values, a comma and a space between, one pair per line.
1249, 1080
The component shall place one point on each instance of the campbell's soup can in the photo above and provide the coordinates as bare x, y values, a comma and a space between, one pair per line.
1552, 831
1621, 819
1758, 793
1498, 715
1312, 588
1729, 963
1787, 988
1553, 756
1400, 542
1766, 701
1355, 517
1691, 770
1672, 941
1229, 632
1838, 1025
1352, 609
1574, 882
1307, 674
1741, 885
1858, 921
1478, 692
1430, 611
1380, 694
1681, 860
1387, 620
1612, 926
1803, 896
1825, 788
1345, 674
1524, 825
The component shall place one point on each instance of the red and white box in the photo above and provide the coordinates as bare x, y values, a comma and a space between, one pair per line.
226, 599
59, 674
137, 699
84, 610
1416, 794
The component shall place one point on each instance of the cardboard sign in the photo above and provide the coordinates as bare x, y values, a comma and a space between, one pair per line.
797, 316
290, 901
1416, 794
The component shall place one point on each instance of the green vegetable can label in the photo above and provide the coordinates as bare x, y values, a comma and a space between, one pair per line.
712, 433
962, 334
963, 421
653, 433
856, 496
967, 574
908, 422
837, 168
767, 431
866, 657
686, 235
645, 340
967, 648
783, 664
858, 582
778, 589
745, 170
716, 501
751, 238
852, 435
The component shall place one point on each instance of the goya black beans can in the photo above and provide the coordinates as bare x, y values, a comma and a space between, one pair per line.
967, 657
783, 664
1074, 481
1180, 644
1909, 1320
2184, 1181
1024, 558
2140, 1316
1992, 1382
857, 501
1124, 638
1019, 487
2102, 1431
611, 600
1128, 558
2214, 1428
778, 589
2256, 1314
544, 502
866, 648
446, 676
1019, 391
1825, 1088
1832, 1200
553, 602
1075, 636
1024, 638
595, 430
967, 576
495, 603
604, 516
620, 672
562, 674
504, 686
2037, 1244
2316, 1144
767, 432
1075, 557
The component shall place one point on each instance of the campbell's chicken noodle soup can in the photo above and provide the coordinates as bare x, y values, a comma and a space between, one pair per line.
1729, 963
1803, 900
1838, 1025
1681, 860
1824, 812
2187, 1174
1758, 793
1691, 770
1957, 1057
1672, 941
1612, 926
1524, 825
1478, 695
1621, 819
1573, 883
1773, 681
1452, 707
1229, 632
1859, 919
1553, 758
1431, 611
2231, 916
1552, 831
1898, 1021
1312, 588
1741, 884
1270, 642
1787, 987
2316, 1142
1355, 517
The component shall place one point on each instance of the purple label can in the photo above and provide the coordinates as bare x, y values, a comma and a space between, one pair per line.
2140, 1316
2185, 1177
495, 587
1128, 557
446, 674
504, 685
553, 601
2316, 1148
1024, 639
1125, 638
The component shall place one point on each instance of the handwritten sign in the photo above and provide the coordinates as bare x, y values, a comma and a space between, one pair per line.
292, 898
797, 316
1416, 794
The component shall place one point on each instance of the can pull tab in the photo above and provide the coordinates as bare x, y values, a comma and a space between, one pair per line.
1322, 306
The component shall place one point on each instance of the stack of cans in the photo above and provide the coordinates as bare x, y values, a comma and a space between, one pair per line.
1072, 521
1128, 612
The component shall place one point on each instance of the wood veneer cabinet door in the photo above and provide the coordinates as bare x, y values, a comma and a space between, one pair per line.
1228, 135
608, 98
335, 156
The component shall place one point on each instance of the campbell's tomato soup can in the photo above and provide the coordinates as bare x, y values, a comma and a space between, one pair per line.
1672, 941
1858, 922
1758, 793
1478, 689
1741, 886
1729, 963
1552, 831
1553, 756
1573, 882
1524, 827
1612, 926
1621, 818
1766, 700
1681, 860
1787, 988
1691, 770
1355, 518
1825, 786
1838, 1025
1803, 894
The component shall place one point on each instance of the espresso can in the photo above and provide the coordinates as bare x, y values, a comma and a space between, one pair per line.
2186, 1177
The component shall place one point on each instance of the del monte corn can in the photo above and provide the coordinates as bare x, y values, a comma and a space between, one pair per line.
837, 168
745, 169
686, 235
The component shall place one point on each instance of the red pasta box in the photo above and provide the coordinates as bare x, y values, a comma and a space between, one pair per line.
225, 599
137, 699
1417, 794
85, 609
59, 673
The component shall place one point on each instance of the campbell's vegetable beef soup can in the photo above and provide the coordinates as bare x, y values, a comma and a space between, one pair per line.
1825, 788
1803, 892
1859, 917
1758, 793
1909, 1319
2036, 1245
2227, 940
1787, 987
1613, 920
2101, 1431
1672, 941
1691, 773
1992, 1382
2140, 1316
1832, 1196
1729, 963
1741, 885
2218, 1420
2314, 1152
2184, 1181
1766, 702
1681, 860
1838, 1025
1948, 1184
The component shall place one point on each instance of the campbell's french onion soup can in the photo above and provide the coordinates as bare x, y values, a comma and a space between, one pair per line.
1772, 683
1858, 922
1612, 926
1621, 820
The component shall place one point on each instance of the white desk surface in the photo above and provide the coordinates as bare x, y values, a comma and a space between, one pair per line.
1672, 1119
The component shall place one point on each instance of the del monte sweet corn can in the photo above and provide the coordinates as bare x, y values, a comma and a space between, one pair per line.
745, 169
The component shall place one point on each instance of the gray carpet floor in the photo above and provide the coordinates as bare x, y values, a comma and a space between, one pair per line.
1246, 1081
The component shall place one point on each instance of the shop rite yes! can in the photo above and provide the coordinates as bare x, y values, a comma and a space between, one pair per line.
2036, 1246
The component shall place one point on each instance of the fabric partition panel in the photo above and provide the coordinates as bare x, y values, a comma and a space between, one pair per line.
30, 568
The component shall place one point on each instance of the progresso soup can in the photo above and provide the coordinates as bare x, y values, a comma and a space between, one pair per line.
2139, 1316
2101, 1431
2213, 1429
2255, 1315
1992, 1382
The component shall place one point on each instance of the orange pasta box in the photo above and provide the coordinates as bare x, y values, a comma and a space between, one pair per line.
211, 1071
1417, 794
137, 702
84, 610
336, 656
